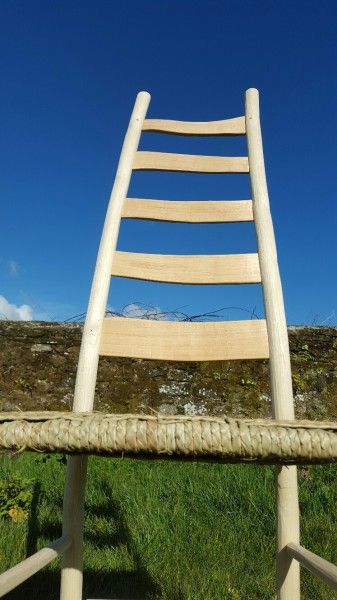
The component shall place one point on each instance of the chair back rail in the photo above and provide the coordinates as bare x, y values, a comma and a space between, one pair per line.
210, 211
188, 269
164, 340
189, 163
236, 126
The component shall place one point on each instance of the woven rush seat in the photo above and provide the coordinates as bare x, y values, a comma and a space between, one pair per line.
206, 438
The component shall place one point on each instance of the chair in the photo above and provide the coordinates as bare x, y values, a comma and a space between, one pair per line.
188, 341
194, 341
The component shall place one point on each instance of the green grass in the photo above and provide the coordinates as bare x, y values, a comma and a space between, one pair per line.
171, 530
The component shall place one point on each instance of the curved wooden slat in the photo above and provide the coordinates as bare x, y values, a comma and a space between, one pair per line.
168, 161
163, 340
190, 269
206, 211
236, 126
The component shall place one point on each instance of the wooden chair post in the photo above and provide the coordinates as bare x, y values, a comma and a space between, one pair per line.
288, 581
73, 508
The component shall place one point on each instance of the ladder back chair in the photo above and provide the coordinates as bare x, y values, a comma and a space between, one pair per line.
281, 440
196, 341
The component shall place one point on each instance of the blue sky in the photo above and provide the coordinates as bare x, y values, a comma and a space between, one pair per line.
70, 72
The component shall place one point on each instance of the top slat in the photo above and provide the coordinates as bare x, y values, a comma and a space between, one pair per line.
235, 126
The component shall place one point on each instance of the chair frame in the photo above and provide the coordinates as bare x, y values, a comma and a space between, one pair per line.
99, 334
288, 584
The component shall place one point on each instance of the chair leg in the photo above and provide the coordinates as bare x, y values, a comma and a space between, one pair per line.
288, 570
73, 518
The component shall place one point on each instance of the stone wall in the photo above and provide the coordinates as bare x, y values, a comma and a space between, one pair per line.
38, 368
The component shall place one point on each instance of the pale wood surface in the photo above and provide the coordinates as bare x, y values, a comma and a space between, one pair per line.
73, 507
163, 340
189, 163
88, 359
206, 211
236, 126
288, 576
320, 567
28, 567
189, 269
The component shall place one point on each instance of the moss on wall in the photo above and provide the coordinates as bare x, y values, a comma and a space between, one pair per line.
38, 368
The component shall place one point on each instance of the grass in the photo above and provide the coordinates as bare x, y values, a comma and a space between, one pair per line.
171, 530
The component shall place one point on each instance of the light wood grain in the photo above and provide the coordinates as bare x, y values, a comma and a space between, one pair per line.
73, 503
236, 126
189, 163
320, 567
288, 576
207, 211
11, 578
162, 340
189, 269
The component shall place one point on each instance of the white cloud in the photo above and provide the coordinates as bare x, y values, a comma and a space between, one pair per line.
12, 312
13, 268
10, 267
140, 311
